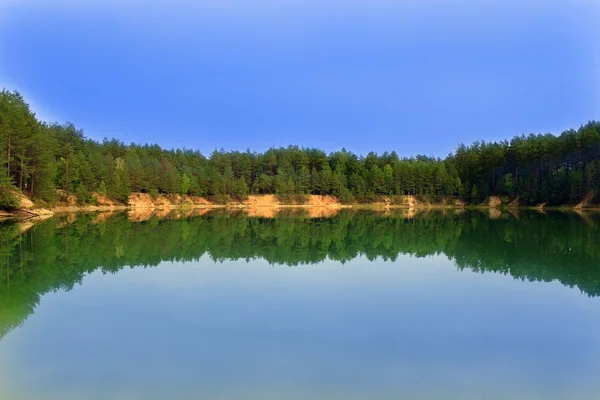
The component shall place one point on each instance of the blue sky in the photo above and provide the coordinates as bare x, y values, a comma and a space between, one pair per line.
417, 77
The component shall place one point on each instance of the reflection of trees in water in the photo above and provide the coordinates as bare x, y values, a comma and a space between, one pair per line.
57, 254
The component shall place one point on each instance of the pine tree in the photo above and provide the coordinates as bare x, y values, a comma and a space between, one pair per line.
240, 189
388, 179
509, 184
324, 178
186, 183
8, 200
303, 185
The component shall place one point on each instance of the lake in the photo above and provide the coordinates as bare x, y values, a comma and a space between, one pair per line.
356, 305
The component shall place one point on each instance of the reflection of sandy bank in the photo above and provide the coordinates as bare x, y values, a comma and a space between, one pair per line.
301, 211
412, 213
195, 212
67, 220
540, 208
261, 212
146, 214
24, 226
102, 216
586, 218
323, 212
459, 211
408, 213
586, 201
495, 213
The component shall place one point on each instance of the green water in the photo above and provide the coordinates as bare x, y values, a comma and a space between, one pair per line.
361, 305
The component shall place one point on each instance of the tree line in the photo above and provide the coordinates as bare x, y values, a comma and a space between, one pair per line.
40, 158
59, 253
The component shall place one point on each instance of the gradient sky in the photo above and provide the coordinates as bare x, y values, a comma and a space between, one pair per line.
413, 76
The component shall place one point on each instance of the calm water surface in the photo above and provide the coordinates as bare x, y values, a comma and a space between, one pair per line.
360, 305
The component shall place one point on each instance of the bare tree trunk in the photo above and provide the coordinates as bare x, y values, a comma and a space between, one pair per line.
66, 175
8, 159
22, 173
32, 180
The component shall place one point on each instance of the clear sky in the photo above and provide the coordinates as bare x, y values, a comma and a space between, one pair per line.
413, 76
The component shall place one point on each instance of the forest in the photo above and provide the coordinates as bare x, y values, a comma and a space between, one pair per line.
59, 253
39, 158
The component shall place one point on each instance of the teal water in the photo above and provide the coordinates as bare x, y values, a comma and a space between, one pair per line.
361, 305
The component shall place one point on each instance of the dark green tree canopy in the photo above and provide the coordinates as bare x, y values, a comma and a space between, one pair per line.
38, 158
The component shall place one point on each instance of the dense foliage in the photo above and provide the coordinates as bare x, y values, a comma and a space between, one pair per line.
39, 158
58, 254
538, 168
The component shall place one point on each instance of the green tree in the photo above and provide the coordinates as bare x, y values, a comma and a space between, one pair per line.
102, 188
303, 185
509, 184
388, 179
240, 189
186, 183
8, 200
324, 177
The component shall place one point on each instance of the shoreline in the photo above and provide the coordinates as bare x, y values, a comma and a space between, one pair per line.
35, 213
268, 204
